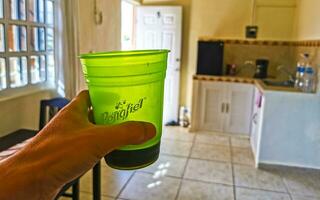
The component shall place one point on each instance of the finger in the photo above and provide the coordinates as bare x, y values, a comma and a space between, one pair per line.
127, 133
81, 103
90, 116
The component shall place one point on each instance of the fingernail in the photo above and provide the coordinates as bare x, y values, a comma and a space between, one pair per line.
150, 130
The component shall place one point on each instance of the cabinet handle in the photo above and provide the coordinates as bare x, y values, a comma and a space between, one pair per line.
222, 107
254, 118
227, 108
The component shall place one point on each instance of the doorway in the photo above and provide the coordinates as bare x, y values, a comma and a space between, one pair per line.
157, 27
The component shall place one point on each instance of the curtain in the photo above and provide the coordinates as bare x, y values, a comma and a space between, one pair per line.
67, 64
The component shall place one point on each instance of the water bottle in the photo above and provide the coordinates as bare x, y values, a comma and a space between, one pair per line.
308, 80
301, 67
299, 75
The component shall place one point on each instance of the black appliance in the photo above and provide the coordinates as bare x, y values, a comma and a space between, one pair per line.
261, 68
210, 58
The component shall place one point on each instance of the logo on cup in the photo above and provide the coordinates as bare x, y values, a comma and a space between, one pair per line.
123, 109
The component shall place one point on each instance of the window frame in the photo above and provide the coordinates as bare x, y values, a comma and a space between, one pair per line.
28, 53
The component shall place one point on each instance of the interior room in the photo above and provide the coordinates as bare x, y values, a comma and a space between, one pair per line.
231, 88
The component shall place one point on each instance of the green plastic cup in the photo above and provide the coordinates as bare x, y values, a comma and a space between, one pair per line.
128, 86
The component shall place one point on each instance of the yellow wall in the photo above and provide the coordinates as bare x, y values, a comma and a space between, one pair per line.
275, 19
102, 37
308, 16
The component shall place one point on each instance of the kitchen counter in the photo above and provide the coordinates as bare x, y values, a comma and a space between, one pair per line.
286, 123
235, 79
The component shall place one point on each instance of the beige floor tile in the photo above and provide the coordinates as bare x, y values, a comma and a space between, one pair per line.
177, 148
167, 165
249, 194
302, 182
86, 182
214, 139
211, 171
211, 152
192, 190
111, 181
247, 176
144, 186
211, 133
177, 133
240, 142
242, 156
86, 196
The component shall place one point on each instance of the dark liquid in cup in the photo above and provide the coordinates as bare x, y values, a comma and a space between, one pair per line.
133, 159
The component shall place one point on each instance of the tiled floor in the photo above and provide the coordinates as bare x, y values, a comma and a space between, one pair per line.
205, 166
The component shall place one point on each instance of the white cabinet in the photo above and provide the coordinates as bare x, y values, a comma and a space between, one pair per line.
212, 97
222, 107
238, 107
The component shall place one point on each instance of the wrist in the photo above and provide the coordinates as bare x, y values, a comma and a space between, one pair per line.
17, 180
23, 177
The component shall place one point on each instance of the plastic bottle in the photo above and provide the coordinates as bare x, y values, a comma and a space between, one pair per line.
309, 77
308, 80
299, 75
301, 67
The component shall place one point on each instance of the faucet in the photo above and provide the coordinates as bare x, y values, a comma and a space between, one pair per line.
285, 70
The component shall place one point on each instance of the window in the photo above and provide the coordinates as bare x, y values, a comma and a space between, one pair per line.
26, 42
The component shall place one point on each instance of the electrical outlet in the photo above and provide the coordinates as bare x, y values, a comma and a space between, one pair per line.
251, 31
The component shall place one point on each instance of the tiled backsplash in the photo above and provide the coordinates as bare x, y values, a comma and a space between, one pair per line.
284, 53
313, 51
278, 55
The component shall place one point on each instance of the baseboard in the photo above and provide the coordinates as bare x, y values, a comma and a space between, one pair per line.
273, 163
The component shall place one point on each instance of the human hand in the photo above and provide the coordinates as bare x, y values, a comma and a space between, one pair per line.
65, 149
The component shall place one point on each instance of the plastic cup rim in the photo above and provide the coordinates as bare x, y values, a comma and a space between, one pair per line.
123, 53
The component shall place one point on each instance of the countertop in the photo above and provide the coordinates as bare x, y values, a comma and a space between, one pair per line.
235, 79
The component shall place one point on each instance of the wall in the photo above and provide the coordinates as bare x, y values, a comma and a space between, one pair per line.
307, 20
186, 4
102, 37
275, 19
21, 112
276, 54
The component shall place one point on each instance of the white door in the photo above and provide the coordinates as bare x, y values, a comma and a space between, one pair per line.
211, 110
238, 107
159, 27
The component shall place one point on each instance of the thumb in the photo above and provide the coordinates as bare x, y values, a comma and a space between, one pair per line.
127, 133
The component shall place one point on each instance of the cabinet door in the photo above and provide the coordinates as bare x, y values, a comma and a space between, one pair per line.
239, 108
211, 106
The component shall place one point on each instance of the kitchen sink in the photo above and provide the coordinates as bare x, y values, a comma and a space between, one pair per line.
279, 83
